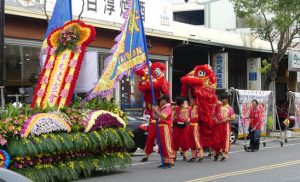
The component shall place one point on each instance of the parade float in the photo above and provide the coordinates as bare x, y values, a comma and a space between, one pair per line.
58, 138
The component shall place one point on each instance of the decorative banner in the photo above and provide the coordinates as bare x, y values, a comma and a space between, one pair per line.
220, 67
58, 77
245, 103
297, 109
127, 55
253, 75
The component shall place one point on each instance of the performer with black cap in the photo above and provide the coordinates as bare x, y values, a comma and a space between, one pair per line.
165, 117
224, 113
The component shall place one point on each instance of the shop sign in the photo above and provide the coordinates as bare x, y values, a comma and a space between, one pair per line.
253, 74
220, 67
157, 14
294, 60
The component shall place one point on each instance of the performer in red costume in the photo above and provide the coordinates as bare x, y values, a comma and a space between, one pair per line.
194, 134
165, 118
223, 115
161, 86
201, 84
180, 129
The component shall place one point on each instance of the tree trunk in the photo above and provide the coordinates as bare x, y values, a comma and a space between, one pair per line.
271, 76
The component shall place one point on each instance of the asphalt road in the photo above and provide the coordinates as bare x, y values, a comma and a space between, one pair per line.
271, 164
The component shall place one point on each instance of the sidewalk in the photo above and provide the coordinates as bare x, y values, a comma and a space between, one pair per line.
276, 134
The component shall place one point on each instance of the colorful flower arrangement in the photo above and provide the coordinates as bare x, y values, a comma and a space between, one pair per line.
101, 118
68, 39
44, 123
50, 144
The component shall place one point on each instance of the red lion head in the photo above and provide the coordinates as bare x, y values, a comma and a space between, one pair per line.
201, 77
160, 84
158, 79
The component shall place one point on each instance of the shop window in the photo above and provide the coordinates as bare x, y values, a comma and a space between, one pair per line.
21, 70
13, 67
30, 64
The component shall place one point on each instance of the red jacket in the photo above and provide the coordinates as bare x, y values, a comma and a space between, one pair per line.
167, 113
256, 118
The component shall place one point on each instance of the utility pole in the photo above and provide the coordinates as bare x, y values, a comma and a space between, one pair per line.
2, 23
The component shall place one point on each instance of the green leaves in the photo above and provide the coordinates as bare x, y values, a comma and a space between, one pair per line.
72, 170
59, 142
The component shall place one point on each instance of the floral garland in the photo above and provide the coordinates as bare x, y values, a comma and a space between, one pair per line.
65, 55
102, 118
4, 159
44, 123
68, 39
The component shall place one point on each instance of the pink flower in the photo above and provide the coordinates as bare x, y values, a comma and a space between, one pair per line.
11, 127
68, 111
41, 93
16, 122
44, 80
16, 132
2, 141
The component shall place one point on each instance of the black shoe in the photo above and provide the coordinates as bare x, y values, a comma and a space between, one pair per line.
184, 158
145, 159
200, 159
216, 157
162, 165
170, 166
223, 159
192, 160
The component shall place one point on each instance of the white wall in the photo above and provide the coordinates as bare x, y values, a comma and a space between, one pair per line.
222, 15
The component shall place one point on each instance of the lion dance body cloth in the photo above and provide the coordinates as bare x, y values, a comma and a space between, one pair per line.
161, 86
200, 83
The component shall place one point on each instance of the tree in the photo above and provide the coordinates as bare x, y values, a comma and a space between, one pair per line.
276, 21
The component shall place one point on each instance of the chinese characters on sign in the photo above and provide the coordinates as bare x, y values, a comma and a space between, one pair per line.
160, 11
109, 6
220, 69
124, 6
92, 5
143, 10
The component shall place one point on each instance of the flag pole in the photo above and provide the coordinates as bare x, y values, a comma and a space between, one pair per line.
152, 89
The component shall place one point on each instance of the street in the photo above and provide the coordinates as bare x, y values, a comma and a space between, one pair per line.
272, 163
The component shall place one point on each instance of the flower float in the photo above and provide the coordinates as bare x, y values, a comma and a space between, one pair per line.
44, 123
53, 144
61, 69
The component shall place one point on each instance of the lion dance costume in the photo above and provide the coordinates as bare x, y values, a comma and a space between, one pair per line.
201, 85
161, 86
